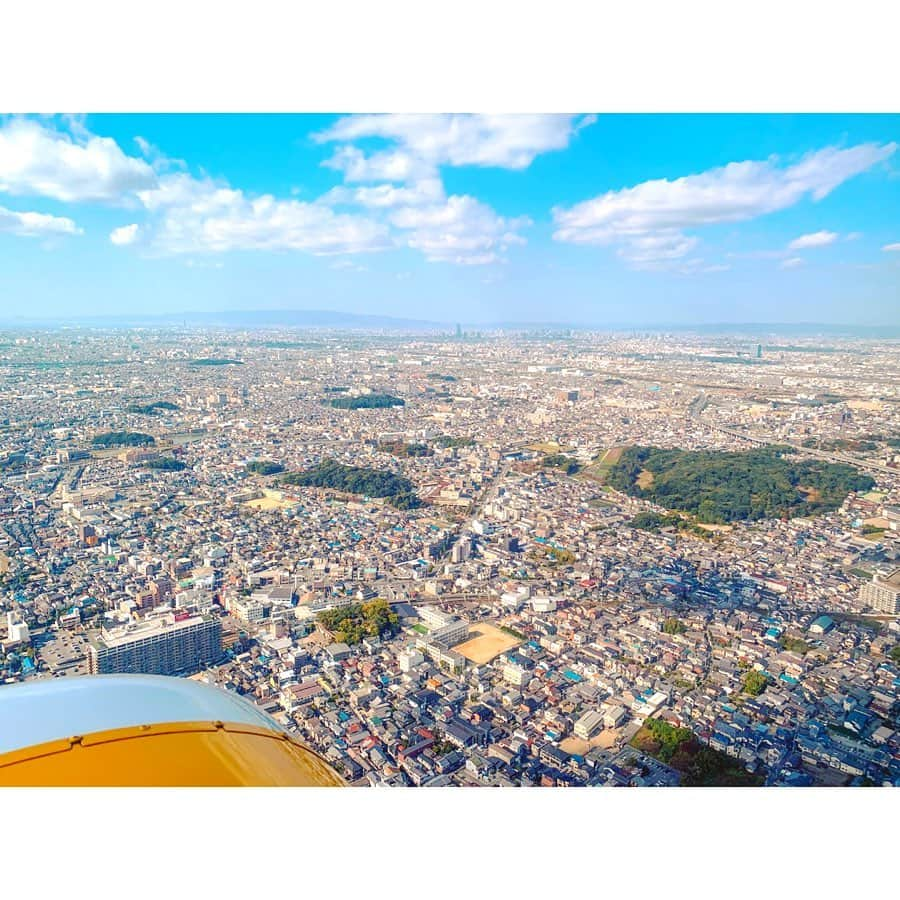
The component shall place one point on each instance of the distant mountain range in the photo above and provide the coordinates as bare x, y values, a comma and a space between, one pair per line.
334, 320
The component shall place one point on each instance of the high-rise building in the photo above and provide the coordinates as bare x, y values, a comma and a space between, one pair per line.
17, 632
883, 593
461, 551
167, 644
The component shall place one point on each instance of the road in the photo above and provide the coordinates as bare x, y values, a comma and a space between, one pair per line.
695, 412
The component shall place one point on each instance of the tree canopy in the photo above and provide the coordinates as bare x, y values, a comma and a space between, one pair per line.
561, 461
166, 464
699, 765
350, 624
755, 683
264, 467
150, 409
329, 473
720, 487
123, 439
445, 441
216, 361
674, 626
367, 401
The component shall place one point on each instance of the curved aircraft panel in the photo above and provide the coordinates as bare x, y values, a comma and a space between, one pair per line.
130, 730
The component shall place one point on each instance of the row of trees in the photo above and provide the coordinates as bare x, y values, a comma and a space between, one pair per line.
445, 441
721, 487
166, 464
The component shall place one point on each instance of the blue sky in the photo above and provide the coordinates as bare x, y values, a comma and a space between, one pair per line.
606, 219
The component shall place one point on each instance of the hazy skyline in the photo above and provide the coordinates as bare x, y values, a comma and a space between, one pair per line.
581, 218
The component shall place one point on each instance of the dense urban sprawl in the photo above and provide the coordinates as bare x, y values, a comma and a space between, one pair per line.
424, 556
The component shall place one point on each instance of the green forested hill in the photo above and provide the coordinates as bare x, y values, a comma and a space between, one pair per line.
720, 487
398, 490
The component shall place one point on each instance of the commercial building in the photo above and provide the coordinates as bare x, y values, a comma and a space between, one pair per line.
163, 645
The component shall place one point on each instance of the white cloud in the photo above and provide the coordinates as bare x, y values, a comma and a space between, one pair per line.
403, 177
891, 248
853, 236
507, 141
157, 159
348, 265
648, 250
385, 196
202, 216
127, 234
461, 230
37, 160
388, 165
663, 209
816, 239
791, 263
32, 224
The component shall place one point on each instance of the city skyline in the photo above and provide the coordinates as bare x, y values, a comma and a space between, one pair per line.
580, 219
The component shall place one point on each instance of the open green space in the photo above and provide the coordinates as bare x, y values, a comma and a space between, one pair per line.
720, 487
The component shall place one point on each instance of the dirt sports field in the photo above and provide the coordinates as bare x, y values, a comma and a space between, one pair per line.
489, 643
599, 469
271, 500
